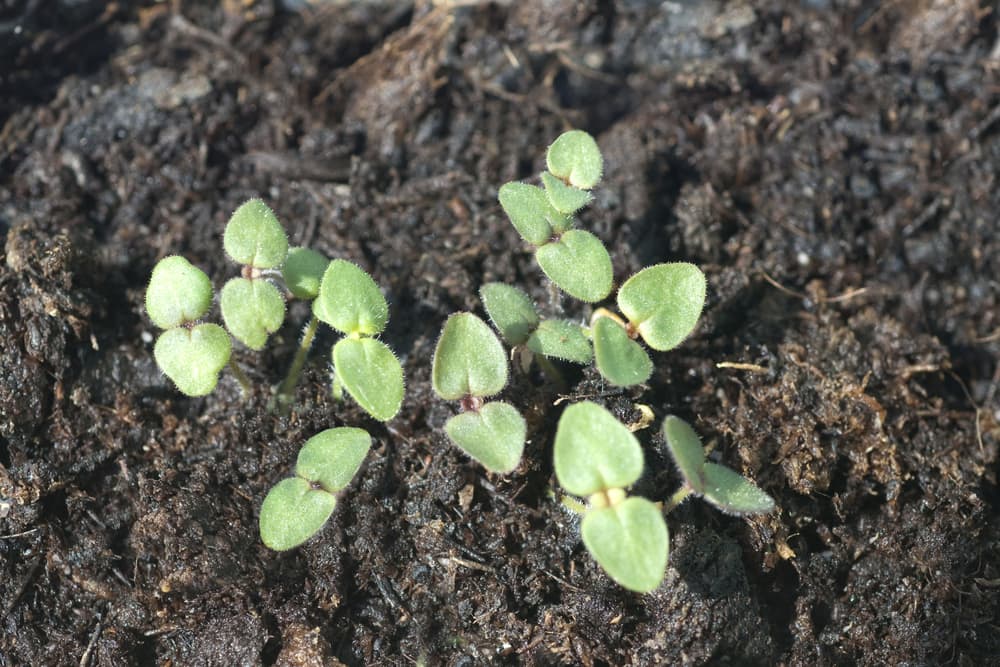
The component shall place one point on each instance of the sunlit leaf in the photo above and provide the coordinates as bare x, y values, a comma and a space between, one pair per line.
619, 359
664, 302
579, 264
594, 451
630, 541
193, 358
493, 435
372, 375
510, 310
292, 512
252, 310
469, 359
575, 157
350, 301
254, 236
178, 293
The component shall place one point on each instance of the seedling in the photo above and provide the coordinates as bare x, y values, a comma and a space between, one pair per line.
661, 304
191, 354
574, 259
303, 273
252, 307
515, 317
470, 365
596, 457
296, 508
351, 302
727, 490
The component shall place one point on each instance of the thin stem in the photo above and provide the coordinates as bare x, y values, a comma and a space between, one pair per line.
287, 388
679, 496
240, 376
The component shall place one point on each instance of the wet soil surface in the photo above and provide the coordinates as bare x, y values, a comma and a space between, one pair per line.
832, 166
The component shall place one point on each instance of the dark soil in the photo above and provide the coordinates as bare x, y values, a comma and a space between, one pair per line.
831, 164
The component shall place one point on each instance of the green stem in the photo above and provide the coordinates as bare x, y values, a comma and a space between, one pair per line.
287, 388
679, 496
240, 376
336, 387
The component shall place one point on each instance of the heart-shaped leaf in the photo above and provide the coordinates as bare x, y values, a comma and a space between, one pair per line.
254, 237
493, 435
733, 493
292, 512
510, 310
192, 358
252, 310
350, 301
579, 264
332, 457
575, 157
619, 359
561, 339
178, 293
686, 450
372, 375
630, 541
564, 198
664, 302
530, 211
594, 452
303, 271
469, 359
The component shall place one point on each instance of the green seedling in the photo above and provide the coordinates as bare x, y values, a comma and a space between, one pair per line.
303, 273
596, 457
191, 354
469, 366
252, 307
296, 508
661, 304
574, 259
515, 317
727, 490
351, 302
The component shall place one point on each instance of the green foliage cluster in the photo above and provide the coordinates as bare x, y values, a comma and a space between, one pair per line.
596, 457
660, 304
470, 365
296, 508
192, 354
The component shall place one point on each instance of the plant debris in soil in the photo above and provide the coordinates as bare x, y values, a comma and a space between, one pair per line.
830, 164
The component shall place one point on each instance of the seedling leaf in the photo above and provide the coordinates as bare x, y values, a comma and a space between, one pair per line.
350, 301
303, 272
686, 450
178, 293
575, 157
530, 211
664, 302
252, 310
469, 359
510, 310
493, 435
192, 358
293, 512
579, 264
621, 360
372, 375
254, 237
561, 339
733, 493
630, 541
332, 457
564, 198
594, 451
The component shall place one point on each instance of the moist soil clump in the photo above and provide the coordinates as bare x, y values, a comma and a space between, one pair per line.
831, 165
